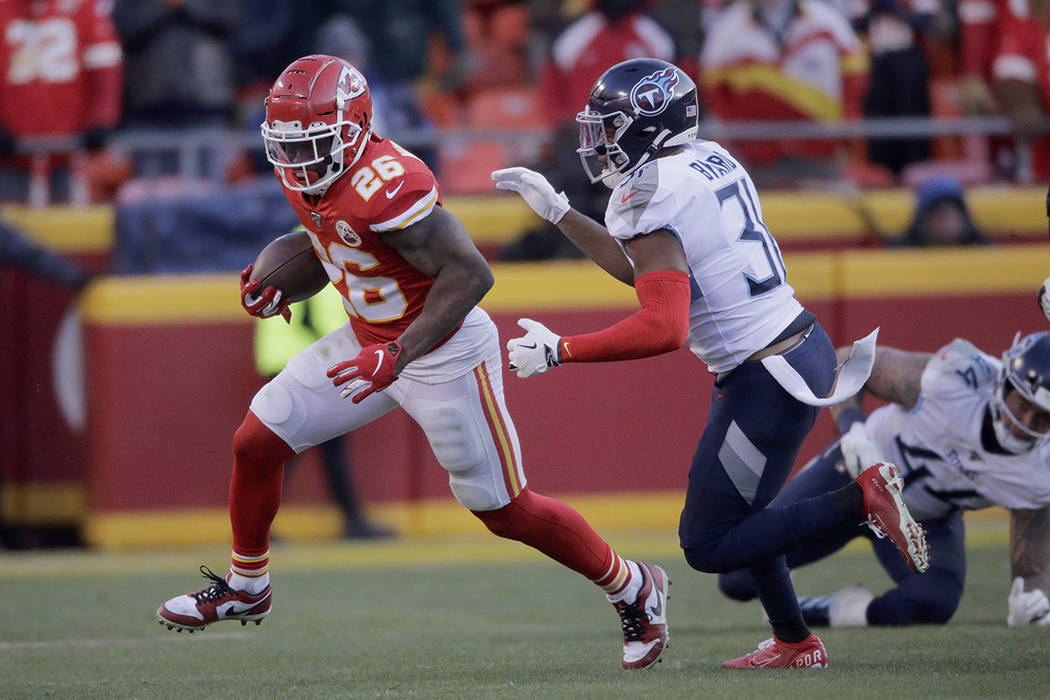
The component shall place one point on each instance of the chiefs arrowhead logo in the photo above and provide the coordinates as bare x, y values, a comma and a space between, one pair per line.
351, 84
348, 235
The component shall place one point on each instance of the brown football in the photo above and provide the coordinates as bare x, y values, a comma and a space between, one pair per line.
288, 263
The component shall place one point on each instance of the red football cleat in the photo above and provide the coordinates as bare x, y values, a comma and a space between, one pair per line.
889, 517
644, 621
195, 611
773, 653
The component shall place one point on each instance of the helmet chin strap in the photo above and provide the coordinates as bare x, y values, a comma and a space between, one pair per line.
614, 178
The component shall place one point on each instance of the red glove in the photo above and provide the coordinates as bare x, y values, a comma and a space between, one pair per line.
265, 305
373, 368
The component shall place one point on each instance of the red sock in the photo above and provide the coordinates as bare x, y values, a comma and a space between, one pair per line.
255, 489
555, 529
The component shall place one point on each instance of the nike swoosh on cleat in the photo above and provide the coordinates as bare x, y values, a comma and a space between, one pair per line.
658, 609
763, 662
232, 608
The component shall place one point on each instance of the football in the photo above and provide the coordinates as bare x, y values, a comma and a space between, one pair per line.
288, 263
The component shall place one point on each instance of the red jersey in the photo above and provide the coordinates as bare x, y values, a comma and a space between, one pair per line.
1022, 55
586, 49
62, 67
816, 71
387, 189
978, 29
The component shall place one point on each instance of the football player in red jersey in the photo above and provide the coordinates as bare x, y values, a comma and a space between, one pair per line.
410, 277
61, 73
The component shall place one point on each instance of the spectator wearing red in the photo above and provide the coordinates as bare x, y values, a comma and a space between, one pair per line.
769, 60
62, 74
1021, 75
611, 32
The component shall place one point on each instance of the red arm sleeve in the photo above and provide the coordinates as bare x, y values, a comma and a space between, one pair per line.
661, 325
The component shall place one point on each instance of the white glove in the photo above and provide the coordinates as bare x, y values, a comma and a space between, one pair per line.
1027, 607
859, 451
1044, 298
535, 190
535, 352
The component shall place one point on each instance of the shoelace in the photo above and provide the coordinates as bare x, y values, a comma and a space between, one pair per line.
879, 532
632, 619
766, 644
217, 590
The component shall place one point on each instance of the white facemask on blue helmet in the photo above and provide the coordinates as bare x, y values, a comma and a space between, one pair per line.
1026, 370
636, 108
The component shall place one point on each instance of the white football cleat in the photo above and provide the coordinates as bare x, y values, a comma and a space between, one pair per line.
644, 621
195, 611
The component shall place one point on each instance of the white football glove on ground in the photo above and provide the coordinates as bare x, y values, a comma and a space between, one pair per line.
535, 352
535, 190
859, 451
1044, 298
1027, 607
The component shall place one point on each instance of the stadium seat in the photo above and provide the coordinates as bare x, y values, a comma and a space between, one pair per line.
466, 168
504, 108
442, 108
509, 25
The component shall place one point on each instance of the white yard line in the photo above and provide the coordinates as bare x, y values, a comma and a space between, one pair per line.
93, 643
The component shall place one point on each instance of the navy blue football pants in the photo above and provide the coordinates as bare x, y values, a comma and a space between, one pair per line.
753, 433
931, 597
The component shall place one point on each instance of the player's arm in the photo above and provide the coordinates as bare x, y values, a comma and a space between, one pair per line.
596, 243
439, 247
660, 325
896, 377
1029, 559
1030, 547
585, 233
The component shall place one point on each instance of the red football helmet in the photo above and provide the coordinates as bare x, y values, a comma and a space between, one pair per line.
318, 119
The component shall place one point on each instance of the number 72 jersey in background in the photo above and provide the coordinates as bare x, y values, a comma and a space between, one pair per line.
387, 189
61, 66
741, 299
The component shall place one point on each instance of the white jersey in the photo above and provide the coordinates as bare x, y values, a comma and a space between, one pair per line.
938, 442
741, 300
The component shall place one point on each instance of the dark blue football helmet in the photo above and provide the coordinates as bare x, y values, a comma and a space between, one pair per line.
636, 108
1026, 370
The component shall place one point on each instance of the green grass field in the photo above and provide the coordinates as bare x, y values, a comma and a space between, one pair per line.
473, 618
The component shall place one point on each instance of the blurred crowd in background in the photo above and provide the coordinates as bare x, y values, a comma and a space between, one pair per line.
106, 101
151, 108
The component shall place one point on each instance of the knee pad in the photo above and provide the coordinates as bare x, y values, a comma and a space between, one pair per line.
737, 585
460, 446
277, 406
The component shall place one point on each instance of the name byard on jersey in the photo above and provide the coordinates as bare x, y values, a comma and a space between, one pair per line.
714, 166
